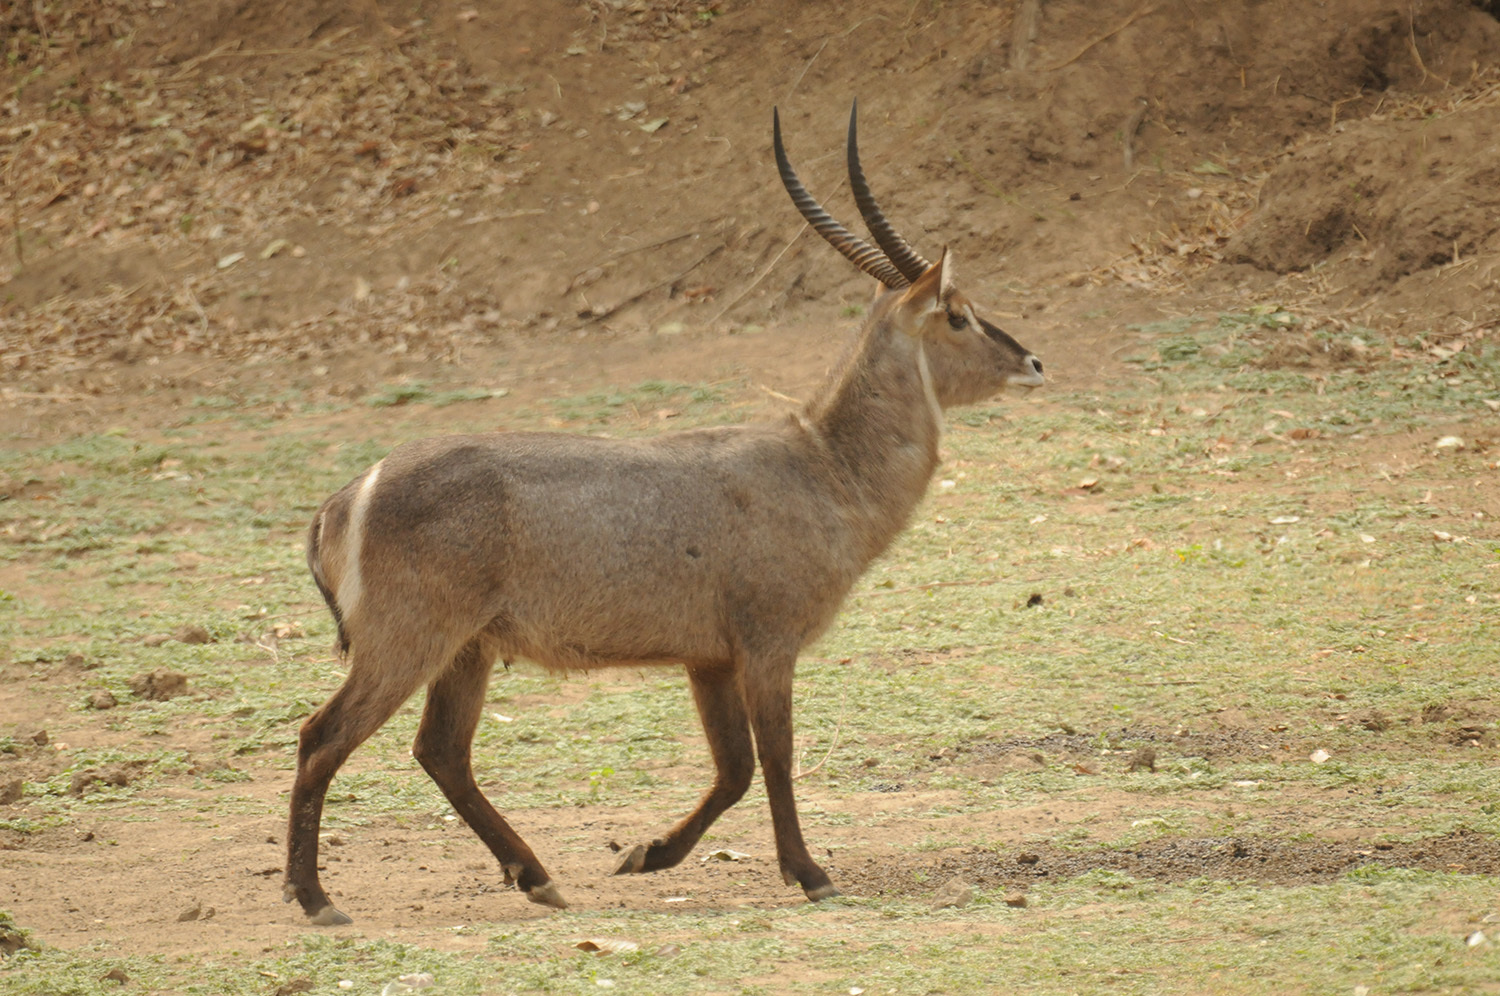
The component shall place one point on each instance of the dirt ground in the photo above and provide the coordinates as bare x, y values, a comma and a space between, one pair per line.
232, 197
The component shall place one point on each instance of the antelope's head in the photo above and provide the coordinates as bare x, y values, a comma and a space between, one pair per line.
971, 358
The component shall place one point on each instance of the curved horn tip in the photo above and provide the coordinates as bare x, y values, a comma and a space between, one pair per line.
873, 261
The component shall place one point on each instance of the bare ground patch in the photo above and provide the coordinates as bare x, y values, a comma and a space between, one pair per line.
1257, 859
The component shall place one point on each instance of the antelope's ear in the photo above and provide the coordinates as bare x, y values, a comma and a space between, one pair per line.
945, 275
930, 292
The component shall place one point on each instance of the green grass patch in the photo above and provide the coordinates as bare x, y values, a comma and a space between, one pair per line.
1235, 558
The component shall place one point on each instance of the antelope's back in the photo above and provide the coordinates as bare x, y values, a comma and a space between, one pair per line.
582, 552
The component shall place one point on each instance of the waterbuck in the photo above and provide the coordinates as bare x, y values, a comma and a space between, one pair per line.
724, 551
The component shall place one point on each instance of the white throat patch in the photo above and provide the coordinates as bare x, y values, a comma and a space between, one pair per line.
927, 389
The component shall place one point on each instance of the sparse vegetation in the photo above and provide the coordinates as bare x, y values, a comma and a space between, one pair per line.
1158, 606
1185, 666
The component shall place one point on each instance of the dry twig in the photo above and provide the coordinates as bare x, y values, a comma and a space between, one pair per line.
1142, 12
1023, 32
763, 274
838, 729
933, 584
1130, 127
600, 316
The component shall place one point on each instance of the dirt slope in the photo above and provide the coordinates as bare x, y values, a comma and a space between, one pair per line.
431, 182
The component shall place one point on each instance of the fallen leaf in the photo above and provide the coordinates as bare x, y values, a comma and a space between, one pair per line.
410, 982
725, 854
606, 945
1318, 756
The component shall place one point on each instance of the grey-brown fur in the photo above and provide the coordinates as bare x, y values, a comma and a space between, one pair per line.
724, 551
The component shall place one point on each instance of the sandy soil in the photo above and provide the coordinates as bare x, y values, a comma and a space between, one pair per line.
218, 197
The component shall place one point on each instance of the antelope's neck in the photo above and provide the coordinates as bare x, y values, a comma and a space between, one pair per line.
881, 424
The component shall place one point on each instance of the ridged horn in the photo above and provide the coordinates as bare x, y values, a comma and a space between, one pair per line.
901, 255
859, 252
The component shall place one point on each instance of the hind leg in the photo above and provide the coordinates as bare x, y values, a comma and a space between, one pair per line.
369, 696
443, 746
722, 708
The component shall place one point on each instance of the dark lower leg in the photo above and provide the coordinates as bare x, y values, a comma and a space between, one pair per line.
454, 704
770, 699
302, 842
326, 740
722, 709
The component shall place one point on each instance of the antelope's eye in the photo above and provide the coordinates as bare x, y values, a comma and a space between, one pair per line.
957, 321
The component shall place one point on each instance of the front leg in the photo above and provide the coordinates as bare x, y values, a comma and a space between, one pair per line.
768, 693
716, 691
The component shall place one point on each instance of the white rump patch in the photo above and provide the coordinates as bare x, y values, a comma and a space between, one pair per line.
351, 583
